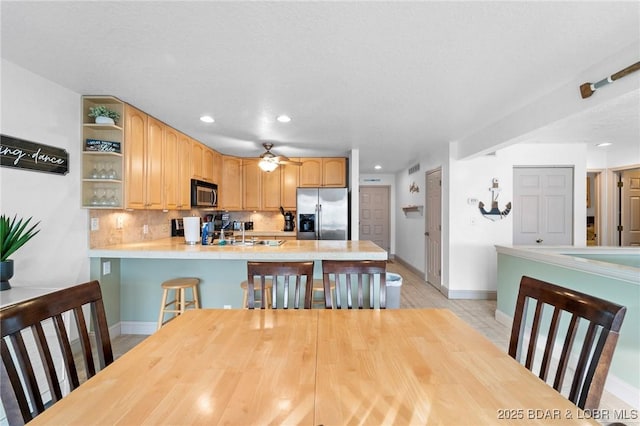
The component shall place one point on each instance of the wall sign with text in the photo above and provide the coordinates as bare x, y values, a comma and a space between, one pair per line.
21, 154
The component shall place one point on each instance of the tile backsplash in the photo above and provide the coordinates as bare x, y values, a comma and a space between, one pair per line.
159, 224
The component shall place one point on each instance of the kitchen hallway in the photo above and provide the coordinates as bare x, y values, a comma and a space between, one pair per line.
416, 293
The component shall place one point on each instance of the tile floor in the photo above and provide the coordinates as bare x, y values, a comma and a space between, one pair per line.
416, 293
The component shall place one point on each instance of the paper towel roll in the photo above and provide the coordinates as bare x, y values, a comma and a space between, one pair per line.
191, 229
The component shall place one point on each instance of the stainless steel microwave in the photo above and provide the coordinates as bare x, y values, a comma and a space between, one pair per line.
203, 194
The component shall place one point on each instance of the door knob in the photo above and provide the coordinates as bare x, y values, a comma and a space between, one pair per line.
539, 240
426, 233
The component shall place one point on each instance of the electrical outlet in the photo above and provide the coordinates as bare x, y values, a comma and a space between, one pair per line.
145, 229
119, 222
95, 224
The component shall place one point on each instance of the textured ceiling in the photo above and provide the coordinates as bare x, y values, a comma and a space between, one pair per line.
392, 79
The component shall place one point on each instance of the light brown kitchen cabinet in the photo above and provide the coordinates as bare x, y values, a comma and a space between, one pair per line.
310, 172
290, 176
334, 172
230, 186
271, 189
135, 123
144, 160
251, 184
171, 169
154, 178
217, 167
197, 153
207, 164
327, 172
184, 172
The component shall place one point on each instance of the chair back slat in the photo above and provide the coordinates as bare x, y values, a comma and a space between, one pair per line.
589, 368
17, 363
342, 272
289, 273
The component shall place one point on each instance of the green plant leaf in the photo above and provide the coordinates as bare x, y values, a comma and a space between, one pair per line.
14, 234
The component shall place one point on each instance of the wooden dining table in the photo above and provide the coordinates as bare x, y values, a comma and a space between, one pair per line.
315, 367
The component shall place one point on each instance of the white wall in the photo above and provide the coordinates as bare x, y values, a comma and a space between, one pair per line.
35, 109
472, 266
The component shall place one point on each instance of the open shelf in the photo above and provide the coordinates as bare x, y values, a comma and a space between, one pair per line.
408, 209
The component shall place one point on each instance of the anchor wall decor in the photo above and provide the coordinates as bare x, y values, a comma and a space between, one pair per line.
495, 213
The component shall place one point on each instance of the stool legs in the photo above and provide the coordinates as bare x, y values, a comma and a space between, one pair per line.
179, 303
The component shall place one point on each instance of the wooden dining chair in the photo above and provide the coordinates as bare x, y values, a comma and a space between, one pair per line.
602, 318
341, 272
32, 320
300, 274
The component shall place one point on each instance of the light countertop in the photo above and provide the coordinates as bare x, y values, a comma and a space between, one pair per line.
289, 250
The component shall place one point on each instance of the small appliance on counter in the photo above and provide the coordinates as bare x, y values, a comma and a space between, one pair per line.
177, 227
192, 232
289, 222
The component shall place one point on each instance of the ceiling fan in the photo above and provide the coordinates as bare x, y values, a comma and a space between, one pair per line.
269, 161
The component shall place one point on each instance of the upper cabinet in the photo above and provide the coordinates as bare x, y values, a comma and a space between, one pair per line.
251, 184
144, 160
102, 155
311, 172
230, 186
327, 172
139, 162
197, 153
271, 189
217, 167
207, 164
290, 176
334, 172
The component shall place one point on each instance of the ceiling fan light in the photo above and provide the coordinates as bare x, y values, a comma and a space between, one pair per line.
267, 165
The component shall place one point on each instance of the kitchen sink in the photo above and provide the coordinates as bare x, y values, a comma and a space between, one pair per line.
249, 242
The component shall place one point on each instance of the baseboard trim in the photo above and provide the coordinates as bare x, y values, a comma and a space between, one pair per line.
138, 327
408, 266
614, 385
470, 294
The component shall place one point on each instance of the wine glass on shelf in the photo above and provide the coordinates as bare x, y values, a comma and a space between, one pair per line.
95, 174
103, 198
113, 200
94, 201
111, 173
103, 171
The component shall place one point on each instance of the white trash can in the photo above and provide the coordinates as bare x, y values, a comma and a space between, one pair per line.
394, 285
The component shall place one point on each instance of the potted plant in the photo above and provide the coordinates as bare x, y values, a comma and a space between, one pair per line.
13, 235
103, 115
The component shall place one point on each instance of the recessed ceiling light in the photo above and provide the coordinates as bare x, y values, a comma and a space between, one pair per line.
283, 118
600, 145
377, 167
207, 119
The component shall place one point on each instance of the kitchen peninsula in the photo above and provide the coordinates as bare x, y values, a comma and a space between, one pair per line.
131, 274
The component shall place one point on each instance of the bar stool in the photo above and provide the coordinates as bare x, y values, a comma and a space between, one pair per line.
318, 293
179, 302
267, 288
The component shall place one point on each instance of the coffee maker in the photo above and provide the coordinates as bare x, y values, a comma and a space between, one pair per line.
289, 222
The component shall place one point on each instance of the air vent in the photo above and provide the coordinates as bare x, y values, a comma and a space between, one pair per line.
414, 169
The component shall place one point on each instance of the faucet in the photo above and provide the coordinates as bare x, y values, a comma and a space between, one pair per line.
242, 229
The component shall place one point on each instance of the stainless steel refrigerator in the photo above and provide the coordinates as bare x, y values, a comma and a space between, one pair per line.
323, 213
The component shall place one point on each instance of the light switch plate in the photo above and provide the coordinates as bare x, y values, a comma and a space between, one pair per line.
95, 223
106, 267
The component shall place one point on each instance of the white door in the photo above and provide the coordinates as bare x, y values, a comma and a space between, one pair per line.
630, 208
542, 205
374, 215
434, 227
